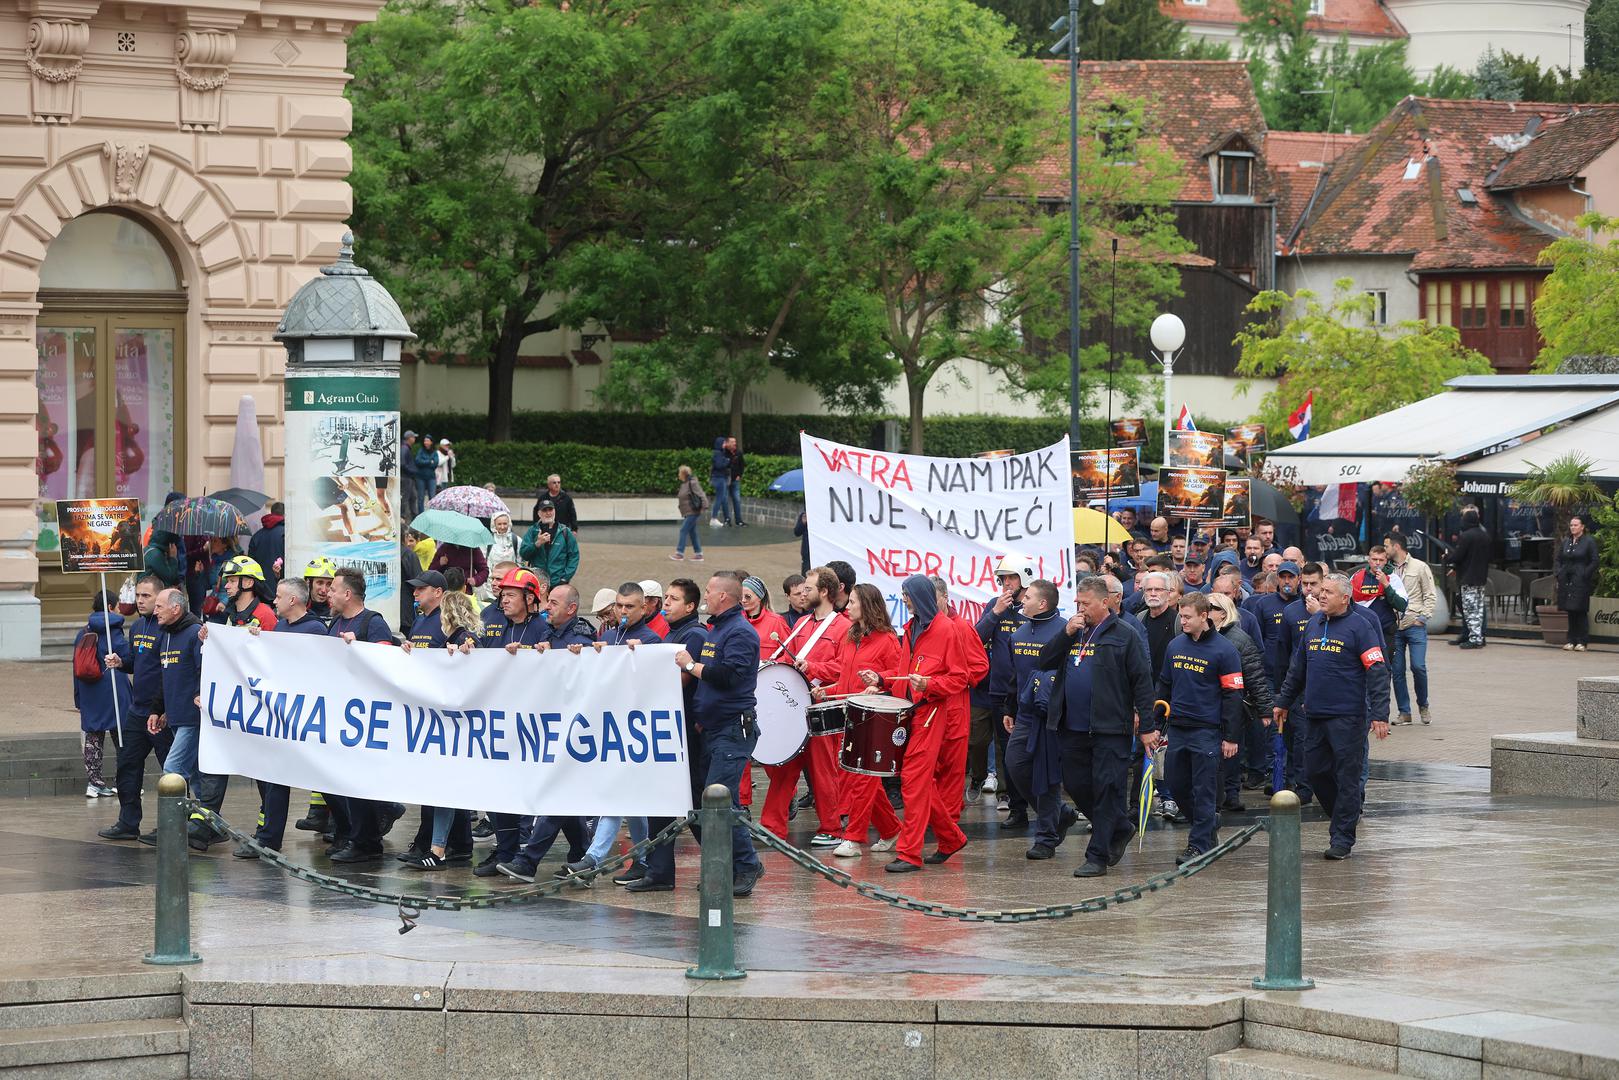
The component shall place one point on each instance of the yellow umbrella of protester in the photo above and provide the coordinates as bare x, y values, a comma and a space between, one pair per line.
1095, 527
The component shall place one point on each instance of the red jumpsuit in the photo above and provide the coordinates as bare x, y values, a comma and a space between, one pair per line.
820, 754
863, 797
950, 776
936, 655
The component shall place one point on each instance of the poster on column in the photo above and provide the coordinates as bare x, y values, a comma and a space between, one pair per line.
99, 535
534, 733
893, 515
342, 477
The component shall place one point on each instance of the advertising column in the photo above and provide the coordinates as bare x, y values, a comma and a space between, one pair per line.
342, 475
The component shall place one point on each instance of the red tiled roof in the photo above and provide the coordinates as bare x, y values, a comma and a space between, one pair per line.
1191, 103
1294, 186
1309, 149
1363, 18
1561, 149
1367, 206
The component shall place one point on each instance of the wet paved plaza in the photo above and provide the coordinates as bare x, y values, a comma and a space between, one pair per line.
1508, 903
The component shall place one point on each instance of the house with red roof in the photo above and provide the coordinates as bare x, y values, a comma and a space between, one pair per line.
1442, 209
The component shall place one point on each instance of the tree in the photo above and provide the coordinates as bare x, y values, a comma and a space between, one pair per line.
1602, 36
1564, 483
1577, 309
1494, 80
1355, 368
1117, 30
493, 138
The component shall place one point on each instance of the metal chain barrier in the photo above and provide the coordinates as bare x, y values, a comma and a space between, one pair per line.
409, 905
1009, 915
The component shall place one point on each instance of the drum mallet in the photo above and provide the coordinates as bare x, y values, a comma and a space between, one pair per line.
790, 654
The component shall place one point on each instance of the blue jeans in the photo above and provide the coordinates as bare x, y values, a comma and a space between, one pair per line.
443, 816
735, 491
722, 495
607, 831
688, 531
182, 756
1414, 640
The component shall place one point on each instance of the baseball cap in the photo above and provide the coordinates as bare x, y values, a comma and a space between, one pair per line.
652, 588
430, 579
1194, 560
1288, 567
410, 434
604, 597
544, 504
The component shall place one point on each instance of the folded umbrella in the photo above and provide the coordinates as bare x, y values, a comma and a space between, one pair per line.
199, 517
1144, 811
449, 527
1278, 768
473, 501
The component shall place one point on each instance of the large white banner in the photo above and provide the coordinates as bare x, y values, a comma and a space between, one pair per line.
534, 733
893, 515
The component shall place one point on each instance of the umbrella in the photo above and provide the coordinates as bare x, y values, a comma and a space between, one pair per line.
244, 499
791, 480
1144, 813
449, 527
1095, 527
1278, 769
472, 501
1267, 502
1145, 503
199, 517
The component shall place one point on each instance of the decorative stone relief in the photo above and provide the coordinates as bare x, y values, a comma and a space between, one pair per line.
55, 57
202, 65
127, 159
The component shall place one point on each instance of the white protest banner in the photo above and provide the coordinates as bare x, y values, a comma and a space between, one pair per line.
893, 515
535, 733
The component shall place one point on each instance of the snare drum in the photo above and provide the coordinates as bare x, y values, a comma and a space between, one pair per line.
827, 718
783, 700
874, 741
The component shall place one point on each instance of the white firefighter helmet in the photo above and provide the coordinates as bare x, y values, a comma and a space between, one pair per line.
1021, 565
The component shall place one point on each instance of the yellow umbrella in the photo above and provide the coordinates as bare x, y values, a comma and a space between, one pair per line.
1095, 527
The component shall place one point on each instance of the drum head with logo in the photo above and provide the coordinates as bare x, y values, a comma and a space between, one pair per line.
783, 699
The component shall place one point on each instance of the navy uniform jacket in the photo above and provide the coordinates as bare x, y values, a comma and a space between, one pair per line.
1268, 609
1338, 668
639, 631
1289, 632
1202, 680
147, 671
996, 631
427, 632
730, 659
499, 631
1120, 681
1031, 685
368, 625
309, 624
180, 652
573, 632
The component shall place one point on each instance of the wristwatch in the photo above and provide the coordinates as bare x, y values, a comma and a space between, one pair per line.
691, 665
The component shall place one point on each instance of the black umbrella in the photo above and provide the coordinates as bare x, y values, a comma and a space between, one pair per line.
1267, 501
199, 517
246, 500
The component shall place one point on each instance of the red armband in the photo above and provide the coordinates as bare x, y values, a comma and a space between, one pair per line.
1232, 681
1371, 656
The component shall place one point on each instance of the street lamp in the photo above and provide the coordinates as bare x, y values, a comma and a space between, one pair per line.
1168, 335
1070, 41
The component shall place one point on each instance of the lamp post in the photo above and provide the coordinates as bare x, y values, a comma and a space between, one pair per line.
1070, 41
343, 334
1168, 335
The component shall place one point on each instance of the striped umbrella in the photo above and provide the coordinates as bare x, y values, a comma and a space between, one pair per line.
200, 517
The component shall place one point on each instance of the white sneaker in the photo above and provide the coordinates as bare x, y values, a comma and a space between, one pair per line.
716, 523
847, 850
823, 840
989, 783
99, 791
886, 845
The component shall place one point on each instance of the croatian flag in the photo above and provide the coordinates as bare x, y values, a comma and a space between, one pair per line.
1298, 421
1184, 423
1339, 502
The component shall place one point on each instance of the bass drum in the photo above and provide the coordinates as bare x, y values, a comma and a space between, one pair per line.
783, 701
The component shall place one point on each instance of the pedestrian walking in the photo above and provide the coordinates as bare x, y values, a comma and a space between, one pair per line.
1576, 578
1033, 755
141, 662
1256, 697
692, 502
738, 465
1409, 644
444, 475
426, 469
1469, 560
719, 478
101, 690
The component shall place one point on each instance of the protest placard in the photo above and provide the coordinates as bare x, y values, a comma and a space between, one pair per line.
1130, 431
99, 536
893, 515
1246, 442
546, 733
1191, 494
1238, 503
1194, 450
1106, 474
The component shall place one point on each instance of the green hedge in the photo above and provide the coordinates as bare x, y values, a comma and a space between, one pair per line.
942, 436
613, 470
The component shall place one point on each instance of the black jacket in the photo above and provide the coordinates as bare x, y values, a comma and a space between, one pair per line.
1470, 558
567, 513
1576, 572
1121, 684
1161, 630
1256, 688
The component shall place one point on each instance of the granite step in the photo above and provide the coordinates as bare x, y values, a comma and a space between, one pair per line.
1248, 1064
46, 1014
115, 1041
67, 743
156, 1067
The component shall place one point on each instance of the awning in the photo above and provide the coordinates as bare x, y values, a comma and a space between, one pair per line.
1480, 414
1595, 436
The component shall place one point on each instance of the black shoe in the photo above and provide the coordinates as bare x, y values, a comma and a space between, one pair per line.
148, 838
1019, 820
900, 866
1067, 818
1472, 645
1253, 780
583, 866
426, 861
458, 857
636, 872
939, 856
1091, 869
647, 884
1336, 853
1187, 856
1120, 844
1233, 806
519, 868
743, 885
490, 867
390, 814
351, 854
1040, 851
483, 830
1457, 641
319, 819
119, 832
244, 852
410, 854
199, 841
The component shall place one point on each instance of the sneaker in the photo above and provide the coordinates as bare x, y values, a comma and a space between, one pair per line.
1568, 646
459, 857
1003, 801
1091, 869
715, 523
636, 872
92, 791
119, 832
487, 868
484, 830
583, 866
148, 838
519, 868
428, 861
886, 845
1187, 856
695, 558
1579, 648
900, 866
1172, 812
937, 857
1403, 718
847, 850
1336, 853
410, 854
804, 801
990, 783
244, 852
1423, 712
678, 557
823, 840
973, 793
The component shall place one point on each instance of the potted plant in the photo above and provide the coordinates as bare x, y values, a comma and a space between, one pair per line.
1564, 483
1430, 488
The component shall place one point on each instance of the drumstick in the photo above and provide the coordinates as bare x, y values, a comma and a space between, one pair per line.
777, 639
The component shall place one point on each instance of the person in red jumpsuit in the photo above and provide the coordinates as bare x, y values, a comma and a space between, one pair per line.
812, 641
933, 674
950, 775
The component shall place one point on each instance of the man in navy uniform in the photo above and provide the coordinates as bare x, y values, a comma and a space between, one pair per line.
1033, 754
1339, 672
142, 659
996, 625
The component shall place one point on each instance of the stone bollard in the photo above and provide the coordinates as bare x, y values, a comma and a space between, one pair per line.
716, 936
171, 943
1284, 925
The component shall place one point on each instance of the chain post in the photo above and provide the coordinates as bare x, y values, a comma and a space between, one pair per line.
171, 943
1284, 923
716, 935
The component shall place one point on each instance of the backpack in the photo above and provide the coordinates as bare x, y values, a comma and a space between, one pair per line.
87, 658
